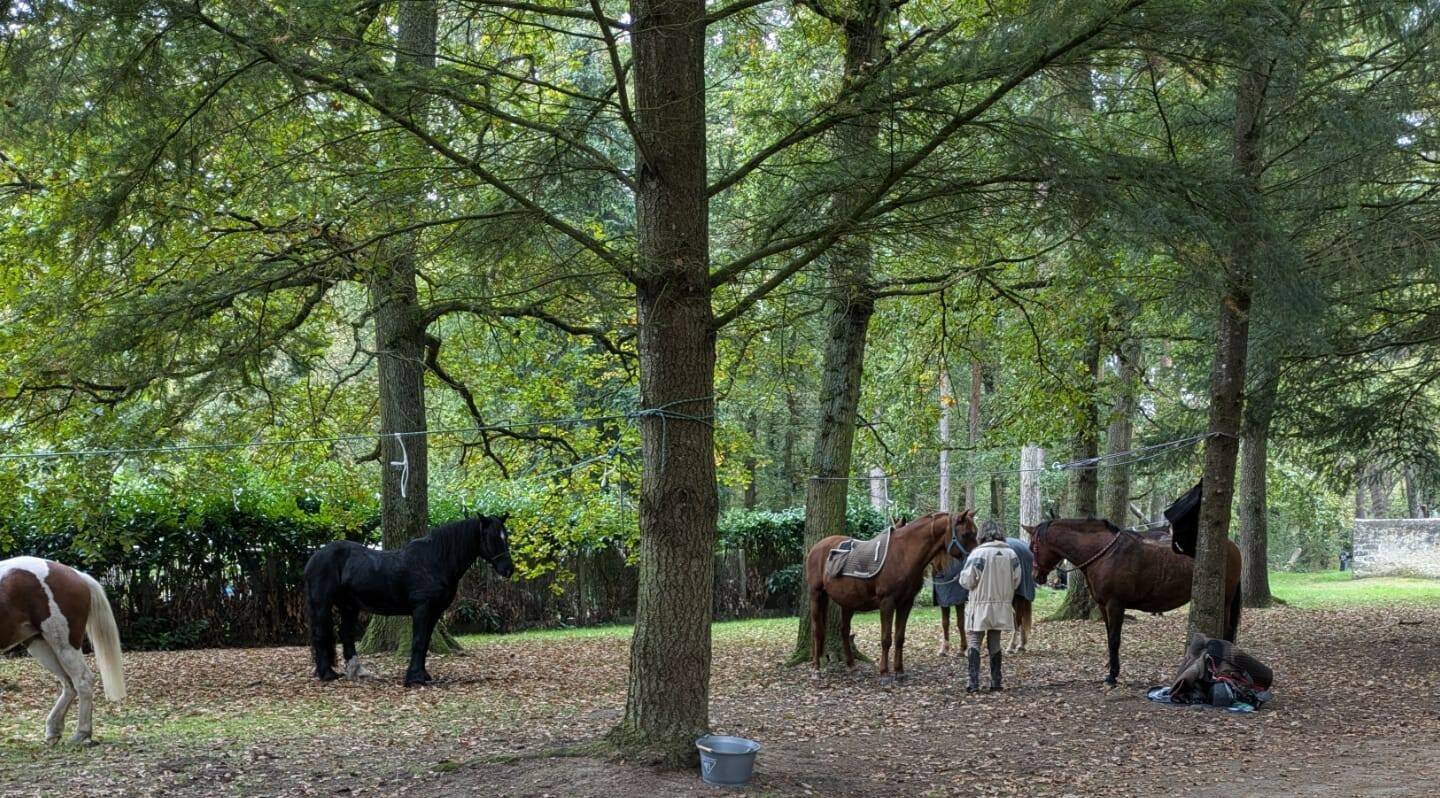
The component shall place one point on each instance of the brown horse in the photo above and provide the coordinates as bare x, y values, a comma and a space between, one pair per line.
50, 608
1125, 571
892, 590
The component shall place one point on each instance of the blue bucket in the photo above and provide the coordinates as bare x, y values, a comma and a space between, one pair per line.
726, 760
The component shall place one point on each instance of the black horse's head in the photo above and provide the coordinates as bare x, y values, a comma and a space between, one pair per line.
495, 544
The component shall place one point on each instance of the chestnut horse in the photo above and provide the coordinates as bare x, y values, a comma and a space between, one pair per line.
892, 590
49, 608
1124, 571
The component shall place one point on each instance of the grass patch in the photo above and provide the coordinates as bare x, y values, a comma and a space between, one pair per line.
1340, 588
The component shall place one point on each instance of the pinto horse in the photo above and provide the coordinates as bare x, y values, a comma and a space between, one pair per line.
892, 590
1125, 570
419, 580
49, 608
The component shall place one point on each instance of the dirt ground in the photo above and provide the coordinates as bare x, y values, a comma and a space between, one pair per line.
1357, 713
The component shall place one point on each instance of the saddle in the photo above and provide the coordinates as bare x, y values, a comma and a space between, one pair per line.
861, 559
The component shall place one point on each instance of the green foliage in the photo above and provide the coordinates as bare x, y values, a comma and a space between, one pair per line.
780, 533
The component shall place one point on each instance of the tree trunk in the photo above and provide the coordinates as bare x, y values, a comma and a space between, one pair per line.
1084, 483
400, 347
946, 401
1379, 494
1227, 371
850, 304
1120, 433
1032, 462
751, 497
976, 383
1413, 500
1254, 512
668, 689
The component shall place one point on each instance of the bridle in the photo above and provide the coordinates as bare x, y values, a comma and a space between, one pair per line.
954, 543
955, 537
1081, 567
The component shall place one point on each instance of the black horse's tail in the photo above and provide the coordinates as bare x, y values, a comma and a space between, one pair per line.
1232, 622
321, 580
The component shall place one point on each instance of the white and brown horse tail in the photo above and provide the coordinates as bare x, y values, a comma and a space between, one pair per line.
105, 637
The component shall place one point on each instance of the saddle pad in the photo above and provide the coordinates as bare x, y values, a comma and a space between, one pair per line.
861, 559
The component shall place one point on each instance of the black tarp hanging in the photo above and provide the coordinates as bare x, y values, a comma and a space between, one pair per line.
1184, 518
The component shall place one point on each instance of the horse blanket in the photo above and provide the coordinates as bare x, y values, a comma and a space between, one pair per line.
948, 592
861, 559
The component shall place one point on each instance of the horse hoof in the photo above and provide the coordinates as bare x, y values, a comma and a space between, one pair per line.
51, 742
82, 740
328, 675
422, 681
901, 676
887, 681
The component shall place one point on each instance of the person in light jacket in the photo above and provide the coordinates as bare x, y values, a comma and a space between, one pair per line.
991, 574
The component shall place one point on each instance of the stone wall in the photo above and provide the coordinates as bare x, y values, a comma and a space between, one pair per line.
1397, 547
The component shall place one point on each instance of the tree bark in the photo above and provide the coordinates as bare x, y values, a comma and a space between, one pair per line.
1084, 482
1413, 500
1121, 431
1032, 461
850, 304
946, 401
1379, 494
668, 688
1227, 371
1254, 511
973, 434
400, 348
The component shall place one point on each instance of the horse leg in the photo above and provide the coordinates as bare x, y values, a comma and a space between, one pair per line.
349, 623
55, 722
1114, 621
1021, 636
83, 680
887, 621
322, 638
819, 604
944, 632
902, 619
845, 616
423, 621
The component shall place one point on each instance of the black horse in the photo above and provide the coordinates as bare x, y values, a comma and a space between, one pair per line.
419, 580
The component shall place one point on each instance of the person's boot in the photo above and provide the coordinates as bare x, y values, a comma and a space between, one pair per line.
973, 658
995, 673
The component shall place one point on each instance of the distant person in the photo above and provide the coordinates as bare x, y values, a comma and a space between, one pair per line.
1344, 560
991, 574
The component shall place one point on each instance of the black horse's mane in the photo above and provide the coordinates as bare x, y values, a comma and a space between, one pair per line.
458, 541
